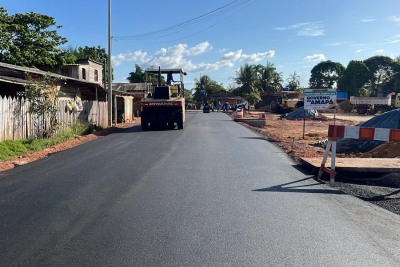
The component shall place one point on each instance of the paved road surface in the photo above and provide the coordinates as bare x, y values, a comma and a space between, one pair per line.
214, 194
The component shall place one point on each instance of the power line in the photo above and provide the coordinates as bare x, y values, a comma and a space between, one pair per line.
169, 31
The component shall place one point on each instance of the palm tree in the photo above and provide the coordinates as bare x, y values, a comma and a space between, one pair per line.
205, 86
293, 81
247, 79
203, 83
268, 79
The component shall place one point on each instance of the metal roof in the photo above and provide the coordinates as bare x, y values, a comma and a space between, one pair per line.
128, 88
15, 80
165, 71
40, 72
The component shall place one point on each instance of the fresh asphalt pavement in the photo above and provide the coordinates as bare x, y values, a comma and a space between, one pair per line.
212, 194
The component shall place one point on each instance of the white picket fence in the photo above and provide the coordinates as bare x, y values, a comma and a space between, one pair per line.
16, 122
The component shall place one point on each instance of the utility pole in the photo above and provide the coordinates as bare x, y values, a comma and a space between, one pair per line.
110, 98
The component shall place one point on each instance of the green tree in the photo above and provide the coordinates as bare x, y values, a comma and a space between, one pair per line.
206, 84
395, 84
140, 76
31, 40
137, 76
293, 82
383, 71
188, 95
246, 79
253, 97
98, 53
325, 74
354, 77
42, 95
268, 79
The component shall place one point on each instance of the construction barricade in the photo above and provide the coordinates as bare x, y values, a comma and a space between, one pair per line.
355, 132
239, 113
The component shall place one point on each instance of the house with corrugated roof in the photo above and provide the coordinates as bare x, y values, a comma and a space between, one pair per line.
130, 94
82, 82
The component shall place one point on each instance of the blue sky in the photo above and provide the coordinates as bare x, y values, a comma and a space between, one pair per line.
216, 37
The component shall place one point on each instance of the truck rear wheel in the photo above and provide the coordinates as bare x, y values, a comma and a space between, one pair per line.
170, 120
153, 120
362, 109
144, 122
179, 120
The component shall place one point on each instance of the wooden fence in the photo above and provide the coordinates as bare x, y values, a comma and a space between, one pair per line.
16, 122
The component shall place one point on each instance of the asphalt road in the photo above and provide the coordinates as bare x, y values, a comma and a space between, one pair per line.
213, 194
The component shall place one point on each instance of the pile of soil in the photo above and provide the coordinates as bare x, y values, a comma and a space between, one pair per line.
386, 150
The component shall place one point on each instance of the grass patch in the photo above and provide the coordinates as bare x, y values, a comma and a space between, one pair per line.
11, 149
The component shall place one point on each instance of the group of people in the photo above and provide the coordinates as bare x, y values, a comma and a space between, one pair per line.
225, 107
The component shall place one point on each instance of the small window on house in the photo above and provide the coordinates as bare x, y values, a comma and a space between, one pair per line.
96, 75
83, 74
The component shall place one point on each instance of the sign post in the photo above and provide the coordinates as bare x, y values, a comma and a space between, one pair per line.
319, 99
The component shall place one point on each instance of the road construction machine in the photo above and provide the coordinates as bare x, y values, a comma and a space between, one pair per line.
163, 104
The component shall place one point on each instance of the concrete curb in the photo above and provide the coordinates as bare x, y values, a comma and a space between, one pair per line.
261, 122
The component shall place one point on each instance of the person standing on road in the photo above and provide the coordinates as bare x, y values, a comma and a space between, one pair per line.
170, 78
226, 106
219, 105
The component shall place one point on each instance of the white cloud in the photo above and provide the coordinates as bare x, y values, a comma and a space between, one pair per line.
225, 63
368, 20
256, 57
135, 56
305, 28
394, 18
175, 51
315, 57
180, 56
239, 55
311, 30
176, 57
380, 51
168, 57
199, 49
394, 39
232, 55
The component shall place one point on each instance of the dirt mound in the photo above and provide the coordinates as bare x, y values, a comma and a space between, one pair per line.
386, 150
